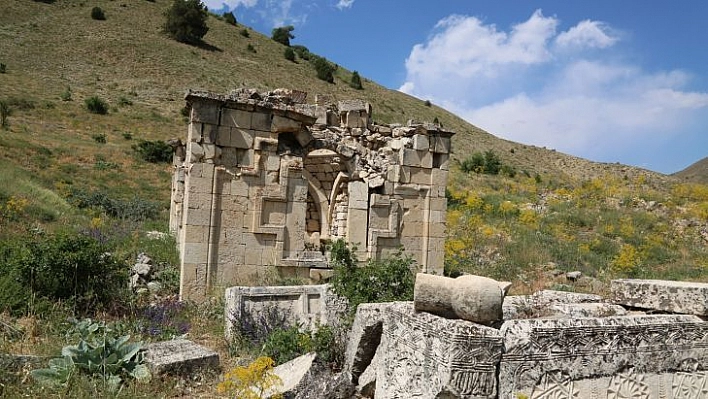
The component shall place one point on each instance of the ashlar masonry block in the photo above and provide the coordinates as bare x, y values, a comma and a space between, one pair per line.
427, 356
662, 295
236, 118
261, 121
647, 356
420, 142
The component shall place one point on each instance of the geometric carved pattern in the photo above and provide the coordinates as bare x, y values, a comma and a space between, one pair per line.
628, 386
555, 385
690, 385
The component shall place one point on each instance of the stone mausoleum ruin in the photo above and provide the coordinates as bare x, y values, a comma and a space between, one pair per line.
266, 180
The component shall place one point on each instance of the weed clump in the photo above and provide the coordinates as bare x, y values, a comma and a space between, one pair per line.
153, 151
386, 280
96, 105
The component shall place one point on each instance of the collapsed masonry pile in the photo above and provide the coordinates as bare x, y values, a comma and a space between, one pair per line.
648, 342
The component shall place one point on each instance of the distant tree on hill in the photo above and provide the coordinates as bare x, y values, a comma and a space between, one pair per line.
356, 81
97, 14
185, 21
283, 34
230, 18
289, 54
325, 69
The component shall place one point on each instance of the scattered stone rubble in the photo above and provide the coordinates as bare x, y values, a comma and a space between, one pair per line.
143, 277
266, 180
551, 345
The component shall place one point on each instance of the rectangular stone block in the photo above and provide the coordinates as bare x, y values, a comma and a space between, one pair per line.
236, 118
195, 132
195, 253
222, 136
180, 357
358, 195
306, 305
409, 157
631, 357
662, 295
281, 124
357, 227
261, 121
440, 144
198, 217
421, 176
427, 356
420, 142
206, 112
272, 163
196, 234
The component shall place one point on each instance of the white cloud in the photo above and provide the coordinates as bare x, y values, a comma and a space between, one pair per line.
464, 53
230, 4
587, 34
524, 85
342, 4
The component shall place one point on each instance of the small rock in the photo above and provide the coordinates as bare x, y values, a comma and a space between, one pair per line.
154, 287
573, 276
141, 269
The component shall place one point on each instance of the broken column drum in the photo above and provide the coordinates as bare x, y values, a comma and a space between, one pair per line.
473, 298
266, 180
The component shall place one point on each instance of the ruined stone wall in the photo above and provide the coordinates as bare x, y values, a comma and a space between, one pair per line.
266, 180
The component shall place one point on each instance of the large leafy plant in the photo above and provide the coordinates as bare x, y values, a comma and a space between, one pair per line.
99, 353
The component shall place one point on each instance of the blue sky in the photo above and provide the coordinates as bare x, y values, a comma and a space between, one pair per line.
610, 81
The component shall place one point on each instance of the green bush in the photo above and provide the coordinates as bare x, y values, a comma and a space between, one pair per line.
3, 68
185, 21
123, 101
77, 268
289, 54
302, 52
135, 209
153, 151
283, 34
66, 94
356, 81
229, 18
96, 105
325, 69
488, 163
285, 344
389, 279
97, 14
100, 138
250, 48
244, 33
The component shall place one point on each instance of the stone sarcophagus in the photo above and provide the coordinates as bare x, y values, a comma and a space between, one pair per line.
266, 180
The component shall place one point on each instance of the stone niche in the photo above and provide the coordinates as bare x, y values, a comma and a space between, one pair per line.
264, 179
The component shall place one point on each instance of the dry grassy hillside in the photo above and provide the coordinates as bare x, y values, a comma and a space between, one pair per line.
51, 47
697, 173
